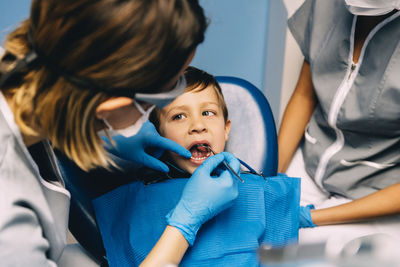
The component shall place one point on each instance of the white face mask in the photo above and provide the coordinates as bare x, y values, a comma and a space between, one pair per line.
134, 128
372, 7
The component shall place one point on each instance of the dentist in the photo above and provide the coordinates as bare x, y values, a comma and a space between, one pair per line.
73, 68
340, 131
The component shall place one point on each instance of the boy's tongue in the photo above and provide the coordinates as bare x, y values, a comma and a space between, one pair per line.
199, 152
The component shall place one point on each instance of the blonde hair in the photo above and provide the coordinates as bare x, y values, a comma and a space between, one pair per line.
112, 44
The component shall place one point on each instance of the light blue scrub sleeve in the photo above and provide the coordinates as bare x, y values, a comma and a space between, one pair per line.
300, 26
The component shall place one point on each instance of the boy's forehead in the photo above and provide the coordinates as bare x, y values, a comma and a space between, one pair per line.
192, 97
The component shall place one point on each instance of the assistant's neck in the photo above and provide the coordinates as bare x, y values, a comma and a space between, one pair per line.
365, 24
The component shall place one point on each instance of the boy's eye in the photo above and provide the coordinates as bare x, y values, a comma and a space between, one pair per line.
208, 113
178, 117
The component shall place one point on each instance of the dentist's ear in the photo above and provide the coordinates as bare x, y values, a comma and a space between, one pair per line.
227, 129
111, 104
118, 111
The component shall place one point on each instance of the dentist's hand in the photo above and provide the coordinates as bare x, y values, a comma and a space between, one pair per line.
136, 148
305, 216
204, 195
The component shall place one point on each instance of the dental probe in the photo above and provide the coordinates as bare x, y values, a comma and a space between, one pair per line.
224, 162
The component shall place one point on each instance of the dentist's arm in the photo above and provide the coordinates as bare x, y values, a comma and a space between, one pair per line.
203, 197
297, 114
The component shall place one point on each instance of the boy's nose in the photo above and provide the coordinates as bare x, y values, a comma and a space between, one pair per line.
197, 126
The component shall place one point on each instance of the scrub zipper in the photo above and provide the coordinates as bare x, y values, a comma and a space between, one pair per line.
337, 102
341, 93
352, 68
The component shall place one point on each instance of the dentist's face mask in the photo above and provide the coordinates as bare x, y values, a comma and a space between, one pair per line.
372, 7
159, 100
134, 128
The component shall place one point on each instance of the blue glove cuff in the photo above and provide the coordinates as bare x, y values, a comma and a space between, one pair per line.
305, 217
188, 230
311, 207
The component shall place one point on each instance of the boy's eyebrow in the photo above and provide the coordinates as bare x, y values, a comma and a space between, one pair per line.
182, 107
185, 107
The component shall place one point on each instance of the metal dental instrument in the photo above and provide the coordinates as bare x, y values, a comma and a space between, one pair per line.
224, 162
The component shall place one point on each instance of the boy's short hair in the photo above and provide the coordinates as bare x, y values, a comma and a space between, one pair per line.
196, 80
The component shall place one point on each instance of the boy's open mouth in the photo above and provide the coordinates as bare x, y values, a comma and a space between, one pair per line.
199, 151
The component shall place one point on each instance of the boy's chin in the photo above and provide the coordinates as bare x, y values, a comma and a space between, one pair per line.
186, 168
184, 164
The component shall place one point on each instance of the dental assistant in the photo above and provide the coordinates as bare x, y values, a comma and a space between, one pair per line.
72, 69
340, 131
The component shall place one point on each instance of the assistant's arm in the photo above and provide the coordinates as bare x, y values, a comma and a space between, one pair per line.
381, 203
297, 114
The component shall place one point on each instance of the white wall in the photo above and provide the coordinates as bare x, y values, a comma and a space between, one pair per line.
292, 61
274, 54
246, 39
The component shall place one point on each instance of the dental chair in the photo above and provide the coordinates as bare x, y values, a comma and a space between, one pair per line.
253, 133
252, 139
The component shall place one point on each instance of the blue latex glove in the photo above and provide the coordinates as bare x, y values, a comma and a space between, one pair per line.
305, 216
204, 195
137, 148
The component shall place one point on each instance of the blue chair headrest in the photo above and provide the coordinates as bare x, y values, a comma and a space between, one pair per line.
253, 134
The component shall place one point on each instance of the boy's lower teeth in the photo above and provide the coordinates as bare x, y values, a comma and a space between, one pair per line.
198, 158
201, 158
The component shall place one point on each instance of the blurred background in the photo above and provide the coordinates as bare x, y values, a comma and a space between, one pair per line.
245, 39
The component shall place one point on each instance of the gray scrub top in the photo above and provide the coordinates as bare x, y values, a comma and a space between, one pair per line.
351, 145
33, 212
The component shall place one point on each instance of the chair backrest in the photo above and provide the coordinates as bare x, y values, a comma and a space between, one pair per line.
253, 133
252, 139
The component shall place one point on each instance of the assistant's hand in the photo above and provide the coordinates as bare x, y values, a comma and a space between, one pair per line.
305, 216
136, 148
204, 195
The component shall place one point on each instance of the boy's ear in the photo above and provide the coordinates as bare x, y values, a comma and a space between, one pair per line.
227, 129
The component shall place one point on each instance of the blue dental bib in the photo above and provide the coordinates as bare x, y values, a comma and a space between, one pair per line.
131, 219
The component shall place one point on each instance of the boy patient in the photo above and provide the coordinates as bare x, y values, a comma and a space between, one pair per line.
198, 117
131, 218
